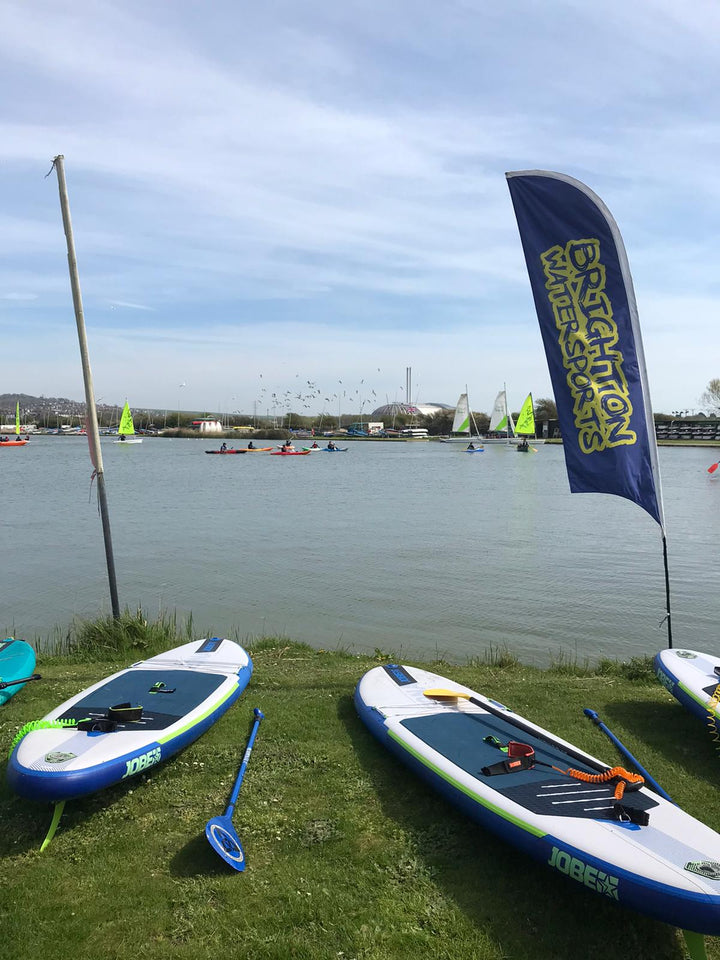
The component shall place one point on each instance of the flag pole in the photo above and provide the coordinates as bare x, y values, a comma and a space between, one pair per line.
92, 424
667, 590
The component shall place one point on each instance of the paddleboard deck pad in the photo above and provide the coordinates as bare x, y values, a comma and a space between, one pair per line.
640, 851
693, 678
130, 721
17, 660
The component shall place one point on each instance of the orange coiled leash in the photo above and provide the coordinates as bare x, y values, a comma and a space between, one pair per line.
521, 756
626, 779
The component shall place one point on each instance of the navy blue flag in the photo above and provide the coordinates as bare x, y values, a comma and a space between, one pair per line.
581, 283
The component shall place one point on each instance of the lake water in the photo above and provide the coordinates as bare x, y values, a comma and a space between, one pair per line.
414, 548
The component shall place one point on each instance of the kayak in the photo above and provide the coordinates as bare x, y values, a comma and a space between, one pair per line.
313, 449
601, 827
693, 678
241, 450
476, 450
334, 449
289, 453
128, 722
17, 662
12, 443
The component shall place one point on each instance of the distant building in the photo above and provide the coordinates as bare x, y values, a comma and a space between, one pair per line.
206, 425
390, 410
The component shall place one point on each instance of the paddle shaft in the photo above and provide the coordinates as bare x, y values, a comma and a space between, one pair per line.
626, 753
259, 715
12, 683
521, 725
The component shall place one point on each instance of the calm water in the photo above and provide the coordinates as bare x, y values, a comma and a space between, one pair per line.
415, 548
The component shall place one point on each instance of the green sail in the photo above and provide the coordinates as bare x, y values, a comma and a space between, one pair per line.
127, 427
526, 419
17, 418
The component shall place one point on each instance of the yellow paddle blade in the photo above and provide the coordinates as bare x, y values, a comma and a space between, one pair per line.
441, 694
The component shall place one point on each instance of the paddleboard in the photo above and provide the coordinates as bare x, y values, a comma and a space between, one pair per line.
668, 869
181, 692
693, 678
17, 660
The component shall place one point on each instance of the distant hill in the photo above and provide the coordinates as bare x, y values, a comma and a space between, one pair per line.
51, 411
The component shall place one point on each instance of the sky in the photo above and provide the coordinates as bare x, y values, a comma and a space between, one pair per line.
283, 206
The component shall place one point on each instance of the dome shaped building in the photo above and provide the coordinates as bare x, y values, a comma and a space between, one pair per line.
390, 410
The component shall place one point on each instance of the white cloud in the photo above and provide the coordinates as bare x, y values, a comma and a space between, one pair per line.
292, 188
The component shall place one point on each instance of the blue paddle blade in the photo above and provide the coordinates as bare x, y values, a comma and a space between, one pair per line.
224, 840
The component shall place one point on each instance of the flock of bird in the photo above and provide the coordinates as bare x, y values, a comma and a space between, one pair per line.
311, 395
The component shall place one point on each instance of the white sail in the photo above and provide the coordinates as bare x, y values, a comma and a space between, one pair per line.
500, 418
461, 423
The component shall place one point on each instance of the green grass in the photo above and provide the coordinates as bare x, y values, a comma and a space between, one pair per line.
349, 856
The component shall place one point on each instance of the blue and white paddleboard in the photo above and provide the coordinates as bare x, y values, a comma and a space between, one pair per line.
17, 662
693, 678
181, 693
645, 853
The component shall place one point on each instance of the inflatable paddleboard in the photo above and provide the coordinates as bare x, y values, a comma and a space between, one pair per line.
129, 722
693, 678
17, 662
639, 849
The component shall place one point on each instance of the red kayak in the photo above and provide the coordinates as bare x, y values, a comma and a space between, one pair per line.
12, 443
289, 453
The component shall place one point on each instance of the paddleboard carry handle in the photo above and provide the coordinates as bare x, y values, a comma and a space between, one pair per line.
125, 712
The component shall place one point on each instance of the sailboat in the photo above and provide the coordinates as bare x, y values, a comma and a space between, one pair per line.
525, 426
501, 420
6, 441
126, 430
461, 423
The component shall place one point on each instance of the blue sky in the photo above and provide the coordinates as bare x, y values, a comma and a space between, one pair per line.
305, 198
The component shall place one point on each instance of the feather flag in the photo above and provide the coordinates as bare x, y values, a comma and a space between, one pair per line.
581, 283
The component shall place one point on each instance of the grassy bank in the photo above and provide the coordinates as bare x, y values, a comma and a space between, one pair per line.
348, 855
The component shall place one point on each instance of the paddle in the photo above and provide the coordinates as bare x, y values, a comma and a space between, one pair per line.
219, 831
440, 694
626, 753
713, 467
11, 683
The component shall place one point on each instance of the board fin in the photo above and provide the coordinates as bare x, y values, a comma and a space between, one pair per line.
695, 943
57, 813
